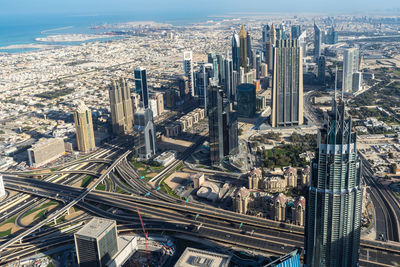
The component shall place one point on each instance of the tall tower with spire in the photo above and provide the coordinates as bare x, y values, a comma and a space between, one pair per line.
84, 128
335, 195
243, 47
236, 52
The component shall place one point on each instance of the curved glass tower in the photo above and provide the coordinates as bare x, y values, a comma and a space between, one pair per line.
335, 196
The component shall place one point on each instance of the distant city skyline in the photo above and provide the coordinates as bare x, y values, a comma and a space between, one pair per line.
207, 7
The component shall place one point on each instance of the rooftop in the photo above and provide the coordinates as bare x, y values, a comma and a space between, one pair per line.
95, 227
202, 258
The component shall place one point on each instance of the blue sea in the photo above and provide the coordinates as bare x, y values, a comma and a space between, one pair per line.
23, 29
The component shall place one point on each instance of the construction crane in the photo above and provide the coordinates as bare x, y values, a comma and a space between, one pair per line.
146, 236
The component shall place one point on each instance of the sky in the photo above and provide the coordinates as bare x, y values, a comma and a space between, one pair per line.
209, 7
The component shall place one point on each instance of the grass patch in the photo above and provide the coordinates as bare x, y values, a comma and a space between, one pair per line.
5, 233
11, 220
86, 181
55, 93
119, 190
45, 205
101, 187
61, 219
41, 214
166, 189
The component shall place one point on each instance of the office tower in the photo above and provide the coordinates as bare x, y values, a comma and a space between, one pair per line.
2, 190
235, 82
332, 37
145, 138
170, 97
141, 86
321, 62
184, 91
212, 59
303, 44
269, 48
249, 50
335, 195
84, 128
317, 41
203, 78
121, 107
45, 151
264, 70
351, 59
96, 242
257, 66
188, 69
287, 88
246, 100
135, 101
357, 81
228, 86
266, 34
221, 69
243, 47
295, 31
236, 52
223, 126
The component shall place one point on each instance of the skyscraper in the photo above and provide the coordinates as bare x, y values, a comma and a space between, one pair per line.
202, 82
321, 62
236, 52
303, 43
121, 107
351, 60
243, 47
2, 190
249, 49
266, 34
84, 128
212, 59
246, 100
335, 195
141, 86
188, 69
221, 69
295, 31
287, 89
223, 126
317, 41
145, 138
229, 78
269, 48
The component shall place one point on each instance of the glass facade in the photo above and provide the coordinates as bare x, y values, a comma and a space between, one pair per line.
335, 196
141, 86
246, 100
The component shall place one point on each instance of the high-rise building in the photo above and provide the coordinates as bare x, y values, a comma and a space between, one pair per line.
141, 86
321, 62
246, 100
121, 107
188, 69
96, 243
303, 43
221, 69
269, 48
266, 34
203, 78
223, 125
45, 151
236, 52
243, 47
145, 138
170, 97
228, 85
249, 50
212, 59
357, 81
317, 41
184, 91
335, 195
351, 59
332, 37
295, 31
257, 66
84, 128
2, 190
287, 88
159, 97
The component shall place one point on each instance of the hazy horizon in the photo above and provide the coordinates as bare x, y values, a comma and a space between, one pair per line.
203, 8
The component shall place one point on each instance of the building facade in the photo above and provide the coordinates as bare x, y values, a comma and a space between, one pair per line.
351, 59
317, 41
223, 126
2, 190
335, 195
188, 69
141, 86
145, 134
246, 100
96, 243
243, 48
287, 90
121, 107
45, 151
84, 128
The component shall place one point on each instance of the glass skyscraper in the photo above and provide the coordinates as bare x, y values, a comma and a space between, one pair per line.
287, 84
317, 41
335, 196
246, 100
223, 126
141, 86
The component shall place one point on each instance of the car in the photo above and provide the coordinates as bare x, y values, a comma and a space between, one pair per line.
228, 235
